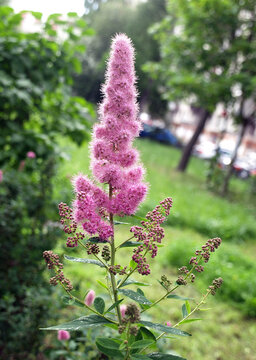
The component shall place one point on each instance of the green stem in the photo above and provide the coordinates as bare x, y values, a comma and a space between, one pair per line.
113, 252
174, 288
79, 242
124, 242
185, 318
83, 303
130, 273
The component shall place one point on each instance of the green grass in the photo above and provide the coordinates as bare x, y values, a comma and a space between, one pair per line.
197, 214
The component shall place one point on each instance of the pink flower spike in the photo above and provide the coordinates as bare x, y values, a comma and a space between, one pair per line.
63, 335
168, 323
89, 299
123, 310
1, 175
31, 155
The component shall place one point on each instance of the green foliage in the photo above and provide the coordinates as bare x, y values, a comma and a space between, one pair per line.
114, 17
36, 104
202, 43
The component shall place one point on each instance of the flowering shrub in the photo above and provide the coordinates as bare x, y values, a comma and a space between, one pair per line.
90, 224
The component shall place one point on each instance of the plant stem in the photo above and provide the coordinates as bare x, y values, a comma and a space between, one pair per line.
174, 288
124, 242
185, 318
113, 252
88, 307
79, 242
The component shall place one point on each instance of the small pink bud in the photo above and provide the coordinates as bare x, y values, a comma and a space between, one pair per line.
90, 298
168, 323
123, 310
31, 154
63, 335
1, 175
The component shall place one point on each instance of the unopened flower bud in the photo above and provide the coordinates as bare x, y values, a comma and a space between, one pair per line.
123, 310
89, 299
63, 335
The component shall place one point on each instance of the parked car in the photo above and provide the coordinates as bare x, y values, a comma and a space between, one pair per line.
243, 167
162, 135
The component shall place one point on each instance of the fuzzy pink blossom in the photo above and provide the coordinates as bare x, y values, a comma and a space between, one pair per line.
89, 299
113, 159
168, 323
1, 175
123, 310
63, 335
31, 154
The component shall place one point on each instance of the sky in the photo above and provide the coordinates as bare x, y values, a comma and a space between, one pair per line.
48, 7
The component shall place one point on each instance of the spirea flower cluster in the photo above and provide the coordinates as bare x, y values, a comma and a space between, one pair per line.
113, 159
150, 234
53, 262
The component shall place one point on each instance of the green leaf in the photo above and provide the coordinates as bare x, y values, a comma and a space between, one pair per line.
80, 323
68, 300
184, 310
109, 347
188, 321
164, 328
147, 334
121, 223
178, 297
135, 296
85, 261
102, 284
114, 305
99, 304
133, 264
96, 240
143, 306
133, 282
130, 244
139, 357
142, 343
139, 218
161, 356
188, 307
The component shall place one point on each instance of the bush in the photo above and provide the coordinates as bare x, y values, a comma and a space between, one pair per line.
35, 105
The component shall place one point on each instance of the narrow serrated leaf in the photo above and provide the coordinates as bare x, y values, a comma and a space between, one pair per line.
109, 347
161, 356
164, 328
178, 297
130, 244
80, 323
142, 343
133, 282
121, 223
114, 305
141, 299
85, 261
99, 304
102, 284
188, 307
188, 321
184, 310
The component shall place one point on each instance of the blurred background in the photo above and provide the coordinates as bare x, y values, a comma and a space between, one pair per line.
196, 68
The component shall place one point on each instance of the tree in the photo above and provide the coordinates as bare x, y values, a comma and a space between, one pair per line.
36, 108
111, 18
205, 55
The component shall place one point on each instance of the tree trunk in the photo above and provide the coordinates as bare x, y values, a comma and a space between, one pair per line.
189, 147
230, 168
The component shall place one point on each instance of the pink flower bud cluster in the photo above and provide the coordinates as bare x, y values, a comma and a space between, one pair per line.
53, 262
150, 234
113, 159
63, 335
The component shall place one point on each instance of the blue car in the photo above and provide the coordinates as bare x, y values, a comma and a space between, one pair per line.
160, 135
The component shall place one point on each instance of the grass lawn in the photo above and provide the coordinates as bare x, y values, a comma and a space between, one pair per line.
225, 333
